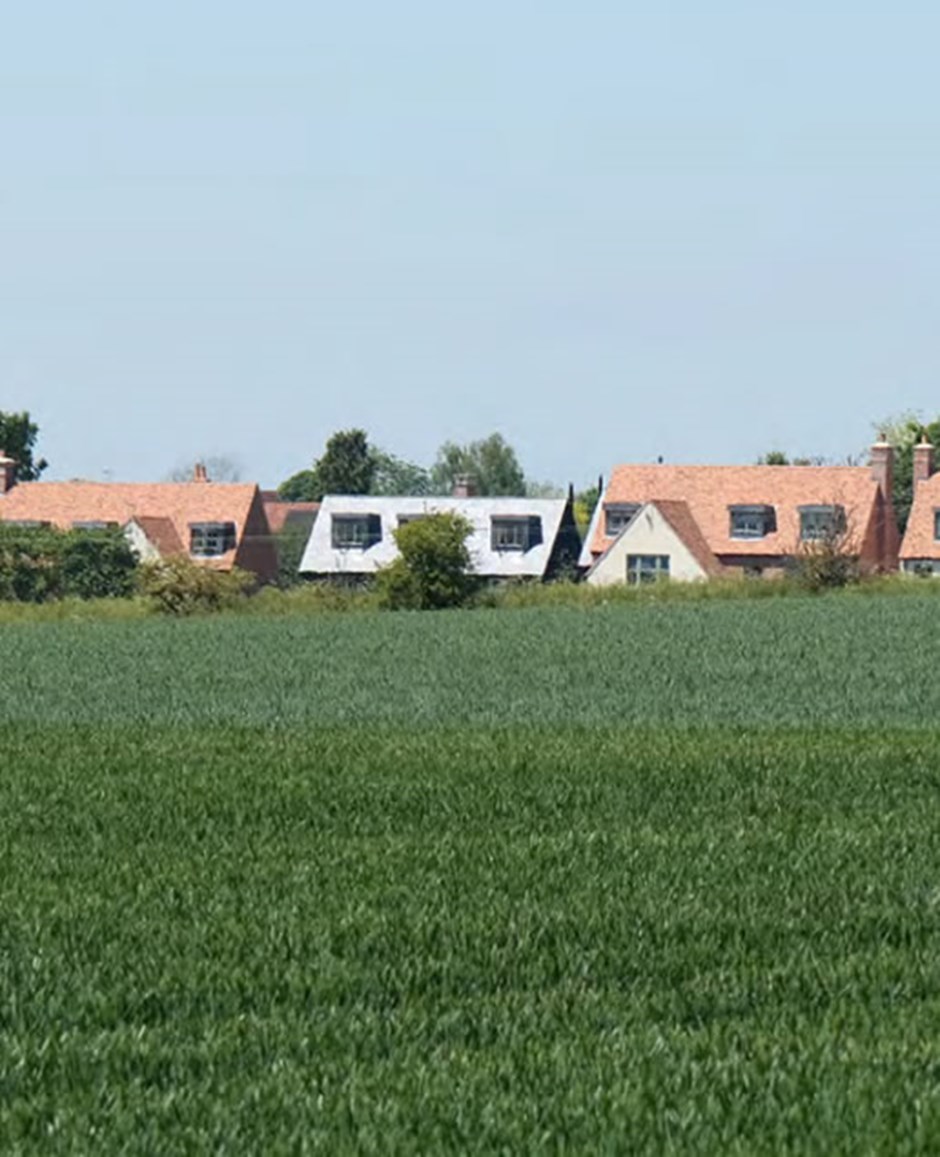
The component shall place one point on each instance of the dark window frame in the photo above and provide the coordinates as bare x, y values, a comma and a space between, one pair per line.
212, 539
520, 532
618, 516
761, 517
367, 532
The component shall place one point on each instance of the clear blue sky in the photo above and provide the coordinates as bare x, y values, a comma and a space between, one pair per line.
610, 230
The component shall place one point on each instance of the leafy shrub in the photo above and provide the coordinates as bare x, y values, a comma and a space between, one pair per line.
179, 586
433, 569
39, 564
826, 563
97, 564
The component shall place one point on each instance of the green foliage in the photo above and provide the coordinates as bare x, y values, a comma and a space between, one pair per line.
97, 564
233, 939
491, 462
903, 432
300, 487
422, 884
826, 563
179, 586
774, 458
585, 503
39, 564
17, 440
433, 567
396, 476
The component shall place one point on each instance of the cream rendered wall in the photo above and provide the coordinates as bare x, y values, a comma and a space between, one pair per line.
648, 533
140, 544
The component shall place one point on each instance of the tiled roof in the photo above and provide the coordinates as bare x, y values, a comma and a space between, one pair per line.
708, 492
919, 541
680, 518
162, 533
173, 505
278, 512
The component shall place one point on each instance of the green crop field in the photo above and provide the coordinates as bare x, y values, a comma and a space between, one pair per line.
649, 879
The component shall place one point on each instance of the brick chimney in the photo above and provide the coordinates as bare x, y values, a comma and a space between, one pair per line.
200, 474
465, 486
7, 472
923, 460
882, 466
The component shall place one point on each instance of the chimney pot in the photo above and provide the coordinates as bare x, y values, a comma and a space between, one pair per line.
882, 466
200, 474
465, 486
923, 460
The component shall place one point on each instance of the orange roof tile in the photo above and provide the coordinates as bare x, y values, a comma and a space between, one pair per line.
708, 492
278, 511
919, 540
162, 533
174, 505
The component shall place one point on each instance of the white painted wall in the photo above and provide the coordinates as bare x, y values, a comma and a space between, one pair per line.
140, 544
648, 533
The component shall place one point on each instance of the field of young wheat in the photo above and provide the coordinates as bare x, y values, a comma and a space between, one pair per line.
632, 878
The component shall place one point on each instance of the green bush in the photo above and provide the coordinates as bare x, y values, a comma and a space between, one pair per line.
38, 564
433, 569
179, 586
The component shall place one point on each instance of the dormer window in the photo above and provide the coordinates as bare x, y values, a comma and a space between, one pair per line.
936, 525
28, 523
752, 521
819, 522
515, 531
618, 515
355, 531
211, 539
93, 524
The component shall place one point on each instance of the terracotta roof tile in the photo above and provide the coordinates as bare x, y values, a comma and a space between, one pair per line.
167, 507
919, 540
708, 492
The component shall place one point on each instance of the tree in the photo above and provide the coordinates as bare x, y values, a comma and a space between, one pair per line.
903, 431
396, 476
773, 458
17, 438
585, 502
347, 465
433, 569
491, 462
300, 487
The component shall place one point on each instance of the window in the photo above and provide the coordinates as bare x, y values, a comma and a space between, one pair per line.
515, 531
752, 521
617, 515
647, 568
936, 524
355, 531
28, 523
94, 524
210, 539
817, 522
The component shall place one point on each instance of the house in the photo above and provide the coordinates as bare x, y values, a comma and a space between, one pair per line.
695, 522
217, 524
920, 550
522, 538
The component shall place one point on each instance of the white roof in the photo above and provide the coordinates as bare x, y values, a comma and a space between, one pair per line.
321, 557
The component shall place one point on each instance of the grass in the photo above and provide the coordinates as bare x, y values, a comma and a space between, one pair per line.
654, 878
